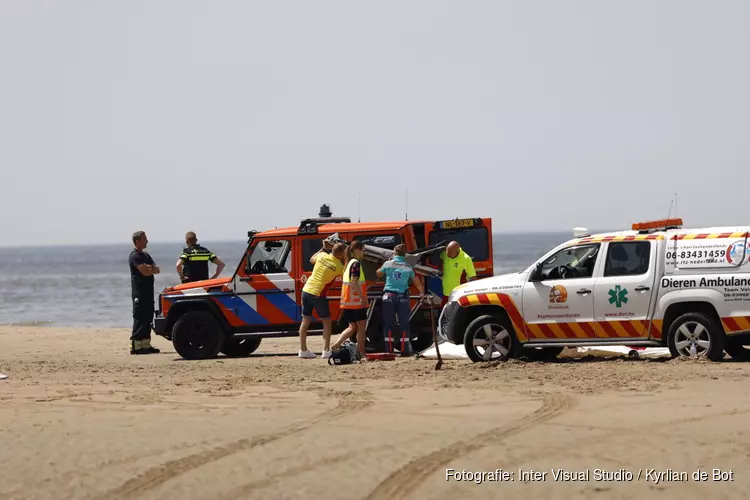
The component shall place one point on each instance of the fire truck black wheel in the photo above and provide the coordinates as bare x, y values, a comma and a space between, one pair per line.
240, 347
197, 335
737, 348
696, 335
490, 338
541, 353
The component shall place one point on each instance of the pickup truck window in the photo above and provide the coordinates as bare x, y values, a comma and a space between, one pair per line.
570, 263
630, 258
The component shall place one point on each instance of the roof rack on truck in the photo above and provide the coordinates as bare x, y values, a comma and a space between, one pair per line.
310, 226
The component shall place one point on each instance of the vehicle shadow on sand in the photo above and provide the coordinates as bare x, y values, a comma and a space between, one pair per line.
221, 357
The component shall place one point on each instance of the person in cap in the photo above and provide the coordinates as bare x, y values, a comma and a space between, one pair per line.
193, 263
142, 271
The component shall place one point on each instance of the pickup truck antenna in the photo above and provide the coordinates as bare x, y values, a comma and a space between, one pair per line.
671, 204
359, 206
406, 206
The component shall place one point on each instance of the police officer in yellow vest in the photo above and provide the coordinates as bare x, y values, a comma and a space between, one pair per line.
354, 298
193, 263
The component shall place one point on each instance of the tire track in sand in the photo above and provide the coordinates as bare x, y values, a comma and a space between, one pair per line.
160, 474
246, 489
401, 483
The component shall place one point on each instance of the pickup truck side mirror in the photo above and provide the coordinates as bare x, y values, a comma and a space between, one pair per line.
536, 273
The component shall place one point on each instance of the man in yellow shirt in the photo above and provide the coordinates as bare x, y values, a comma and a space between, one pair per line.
327, 267
456, 262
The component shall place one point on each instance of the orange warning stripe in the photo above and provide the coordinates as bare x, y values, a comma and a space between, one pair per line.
734, 324
632, 237
563, 330
655, 328
585, 329
708, 236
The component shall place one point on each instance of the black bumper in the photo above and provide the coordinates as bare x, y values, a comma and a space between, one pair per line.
160, 325
452, 323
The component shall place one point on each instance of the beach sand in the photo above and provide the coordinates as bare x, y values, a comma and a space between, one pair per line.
81, 418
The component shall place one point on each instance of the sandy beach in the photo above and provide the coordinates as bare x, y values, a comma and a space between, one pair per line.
81, 418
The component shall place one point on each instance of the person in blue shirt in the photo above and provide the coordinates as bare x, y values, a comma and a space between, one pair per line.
399, 276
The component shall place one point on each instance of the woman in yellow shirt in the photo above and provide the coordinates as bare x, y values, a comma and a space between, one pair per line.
327, 267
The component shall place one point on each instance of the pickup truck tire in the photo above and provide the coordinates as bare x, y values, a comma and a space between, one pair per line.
696, 334
541, 353
490, 338
735, 347
197, 335
240, 347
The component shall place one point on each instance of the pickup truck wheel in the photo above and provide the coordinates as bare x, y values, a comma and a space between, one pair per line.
736, 348
695, 335
490, 338
197, 335
541, 353
239, 347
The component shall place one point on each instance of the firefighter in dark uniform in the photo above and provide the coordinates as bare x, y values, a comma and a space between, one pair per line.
193, 263
142, 271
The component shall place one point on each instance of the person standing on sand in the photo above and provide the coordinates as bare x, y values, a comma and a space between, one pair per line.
193, 263
456, 262
399, 277
354, 298
142, 271
327, 267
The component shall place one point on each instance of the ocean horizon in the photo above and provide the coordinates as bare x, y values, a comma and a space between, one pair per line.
89, 285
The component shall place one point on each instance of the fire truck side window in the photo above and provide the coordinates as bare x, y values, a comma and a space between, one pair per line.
309, 248
269, 257
473, 241
630, 258
387, 241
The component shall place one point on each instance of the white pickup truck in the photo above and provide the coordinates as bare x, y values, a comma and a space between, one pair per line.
656, 285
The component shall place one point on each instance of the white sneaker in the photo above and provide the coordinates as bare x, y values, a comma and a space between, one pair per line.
306, 355
326, 354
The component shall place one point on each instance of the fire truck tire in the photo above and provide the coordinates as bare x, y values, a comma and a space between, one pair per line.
735, 347
694, 335
239, 347
490, 338
197, 335
541, 353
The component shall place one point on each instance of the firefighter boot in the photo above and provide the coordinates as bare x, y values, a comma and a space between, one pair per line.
142, 347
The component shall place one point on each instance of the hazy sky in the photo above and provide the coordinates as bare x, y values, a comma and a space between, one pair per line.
225, 116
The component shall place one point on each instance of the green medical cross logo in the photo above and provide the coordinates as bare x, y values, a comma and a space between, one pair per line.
618, 296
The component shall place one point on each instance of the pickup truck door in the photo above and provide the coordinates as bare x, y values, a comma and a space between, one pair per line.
624, 291
561, 304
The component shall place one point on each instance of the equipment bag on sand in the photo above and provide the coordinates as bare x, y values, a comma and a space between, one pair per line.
345, 355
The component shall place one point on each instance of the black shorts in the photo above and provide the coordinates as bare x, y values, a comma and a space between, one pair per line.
354, 315
320, 304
